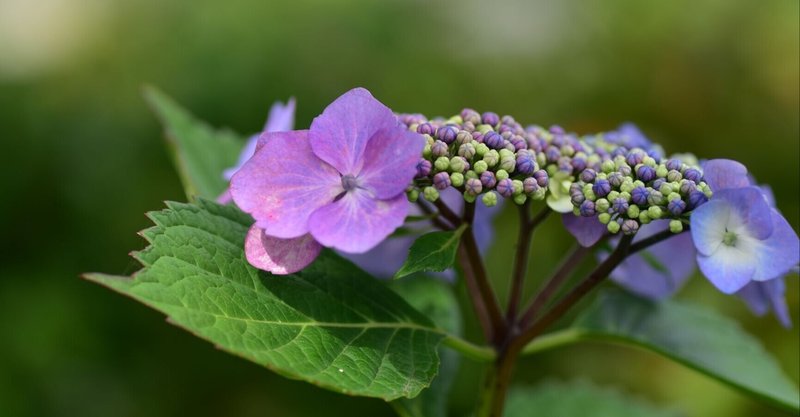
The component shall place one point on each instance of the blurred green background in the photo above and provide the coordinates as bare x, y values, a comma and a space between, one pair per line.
83, 159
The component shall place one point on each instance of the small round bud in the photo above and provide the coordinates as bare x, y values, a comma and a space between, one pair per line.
630, 227
489, 199
469, 198
481, 149
446, 134
639, 196
674, 176
471, 174
457, 179
480, 167
661, 171
615, 179
613, 227
431, 194
520, 199
633, 212
426, 129
458, 164
525, 164
613, 195
491, 158
655, 198
517, 187
463, 137
587, 209
674, 164
439, 148
649, 161
654, 212
620, 206
483, 129
608, 166
473, 186
576, 198
604, 218
493, 140
529, 185
487, 179
426, 151
541, 177
442, 163
696, 199
501, 174
490, 118
675, 226
602, 205
505, 187
469, 115
423, 168
466, 151
508, 164
601, 188
692, 174
441, 180
539, 194
646, 173
413, 195
644, 218
635, 157
588, 175
676, 207
687, 187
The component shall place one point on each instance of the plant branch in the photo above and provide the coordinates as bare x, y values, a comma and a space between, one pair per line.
526, 229
469, 349
447, 213
474, 292
436, 218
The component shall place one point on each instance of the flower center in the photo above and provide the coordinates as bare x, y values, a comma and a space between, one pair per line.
729, 238
349, 182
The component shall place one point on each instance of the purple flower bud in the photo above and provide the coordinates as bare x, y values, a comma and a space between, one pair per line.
629, 227
505, 187
688, 187
473, 186
556, 130
541, 178
625, 170
426, 129
424, 167
508, 120
696, 199
587, 209
577, 198
620, 151
658, 183
655, 198
601, 188
692, 174
619, 205
635, 157
506, 133
565, 164
447, 134
530, 186
477, 137
646, 173
471, 116
676, 207
525, 163
463, 137
639, 196
490, 118
615, 179
588, 175
441, 180
552, 153
674, 164
439, 148
493, 140
578, 163
519, 143
488, 179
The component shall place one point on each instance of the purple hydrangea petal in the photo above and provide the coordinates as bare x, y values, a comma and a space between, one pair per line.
357, 222
247, 152
749, 209
725, 173
283, 183
340, 134
587, 230
760, 297
778, 253
281, 117
225, 197
708, 223
385, 259
730, 268
279, 256
766, 191
662, 269
390, 161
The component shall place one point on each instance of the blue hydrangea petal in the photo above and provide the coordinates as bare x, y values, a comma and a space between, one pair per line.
708, 224
721, 174
587, 230
730, 267
780, 252
750, 212
760, 297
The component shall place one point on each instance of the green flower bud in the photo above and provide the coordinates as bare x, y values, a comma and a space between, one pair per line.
431, 194
608, 167
654, 212
649, 161
413, 195
429, 139
442, 163
413, 127
626, 186
576, 211
517, 187
457, 179
505, 153
466, 150
601, 176
501, 174
604, 218
661, 171
644, 218
612, 195
633, 211
674, 176
491, 158
456, 120
489, 199
471, 174
539, 194
625, 196
484, 128
613, 227
457, 164
520, 199
541, 159
638, 183
481, 149
673, 196
480, 167
589, 194
675, 226
665, 189
508, 163
469, 198
426, 151
551, 170
567, 150
601, 205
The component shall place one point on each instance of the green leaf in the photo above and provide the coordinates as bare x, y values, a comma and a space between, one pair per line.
696, 337
434, 299
578, 398
331, 324
200, 153
432, 252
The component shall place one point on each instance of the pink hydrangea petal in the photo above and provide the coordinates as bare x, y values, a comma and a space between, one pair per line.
356, 222
390, 161
283, 183
340, 134
279, 256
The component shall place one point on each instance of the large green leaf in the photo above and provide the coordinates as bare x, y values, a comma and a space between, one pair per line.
579, 398
200, 152
331, 324
432, 252
434, 299
694, 336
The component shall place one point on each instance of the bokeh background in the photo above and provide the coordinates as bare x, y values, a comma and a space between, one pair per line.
83, 159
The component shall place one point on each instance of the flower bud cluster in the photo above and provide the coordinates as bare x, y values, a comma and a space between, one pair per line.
634, 188
482, 155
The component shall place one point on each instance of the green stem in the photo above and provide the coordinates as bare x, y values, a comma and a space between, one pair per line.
469, 349
553, 340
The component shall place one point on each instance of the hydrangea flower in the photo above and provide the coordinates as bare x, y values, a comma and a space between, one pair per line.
340, 184
762, 297
280, 119
385, 260
587, 230
738, 236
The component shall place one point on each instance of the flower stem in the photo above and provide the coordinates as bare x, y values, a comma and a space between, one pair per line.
469, 349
